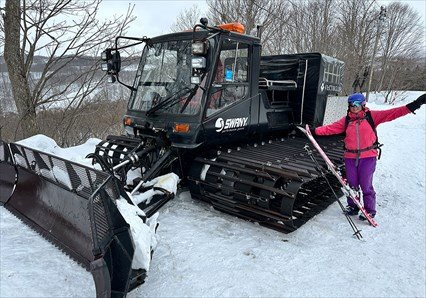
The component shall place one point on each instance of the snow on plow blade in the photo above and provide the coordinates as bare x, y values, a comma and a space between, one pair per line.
74, 207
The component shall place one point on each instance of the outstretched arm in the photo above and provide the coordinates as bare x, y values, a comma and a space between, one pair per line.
334, 128
392, 114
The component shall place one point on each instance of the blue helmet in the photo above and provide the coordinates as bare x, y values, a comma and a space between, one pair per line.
356, 99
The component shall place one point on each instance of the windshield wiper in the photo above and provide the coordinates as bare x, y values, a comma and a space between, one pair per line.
193, 92
169, 101
189, 98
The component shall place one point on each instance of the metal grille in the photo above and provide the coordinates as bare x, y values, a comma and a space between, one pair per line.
103, 220
100, 219
96, 187
69, 175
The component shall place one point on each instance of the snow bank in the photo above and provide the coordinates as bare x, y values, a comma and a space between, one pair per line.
75, 154
168, 182
143, 234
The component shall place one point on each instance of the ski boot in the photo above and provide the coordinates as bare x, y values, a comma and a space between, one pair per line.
349, 210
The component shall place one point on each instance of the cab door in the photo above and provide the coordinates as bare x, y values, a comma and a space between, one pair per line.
227, 112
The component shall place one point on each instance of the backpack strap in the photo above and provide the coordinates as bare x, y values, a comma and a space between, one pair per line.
376, 144
369, 118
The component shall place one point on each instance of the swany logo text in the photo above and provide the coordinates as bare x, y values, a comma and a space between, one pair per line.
231, 124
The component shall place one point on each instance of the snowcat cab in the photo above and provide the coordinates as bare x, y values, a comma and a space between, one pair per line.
206, 105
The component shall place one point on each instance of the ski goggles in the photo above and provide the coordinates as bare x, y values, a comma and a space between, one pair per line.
355, 104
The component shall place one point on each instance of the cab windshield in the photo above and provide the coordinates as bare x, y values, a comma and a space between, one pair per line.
164, 74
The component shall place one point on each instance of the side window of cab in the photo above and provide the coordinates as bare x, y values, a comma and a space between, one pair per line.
230, 82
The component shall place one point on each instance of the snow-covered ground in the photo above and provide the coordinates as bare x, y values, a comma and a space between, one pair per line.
203, 252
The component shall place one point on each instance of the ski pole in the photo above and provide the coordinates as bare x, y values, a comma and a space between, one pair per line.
357, 232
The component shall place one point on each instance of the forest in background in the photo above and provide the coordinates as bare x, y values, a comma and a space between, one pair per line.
66, 96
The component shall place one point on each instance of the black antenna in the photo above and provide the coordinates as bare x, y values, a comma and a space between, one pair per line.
259, 31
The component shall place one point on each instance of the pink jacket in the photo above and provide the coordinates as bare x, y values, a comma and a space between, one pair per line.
359, 134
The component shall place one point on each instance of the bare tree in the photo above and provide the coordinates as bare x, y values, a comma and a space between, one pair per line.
6, 104
250, 13
63, 31
311, 27
346, 29
1, 31
187, 19
356, 31
402, 36
275, 37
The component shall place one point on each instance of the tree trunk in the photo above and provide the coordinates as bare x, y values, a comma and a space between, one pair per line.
15, 64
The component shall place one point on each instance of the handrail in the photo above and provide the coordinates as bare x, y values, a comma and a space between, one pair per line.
264, 82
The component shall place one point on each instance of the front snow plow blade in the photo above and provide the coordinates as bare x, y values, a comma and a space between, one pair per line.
72, 206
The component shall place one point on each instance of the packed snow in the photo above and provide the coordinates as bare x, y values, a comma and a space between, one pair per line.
203, 252
168, 182
75, 154
143, 234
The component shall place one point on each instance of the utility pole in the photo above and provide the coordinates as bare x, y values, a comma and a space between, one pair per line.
382, 16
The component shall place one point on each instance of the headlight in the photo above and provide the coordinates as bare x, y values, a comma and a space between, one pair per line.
105, 67
199, 48
111, 79
106, 55
195, 80
198, 62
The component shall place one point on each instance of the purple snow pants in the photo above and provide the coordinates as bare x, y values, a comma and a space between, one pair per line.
362, 176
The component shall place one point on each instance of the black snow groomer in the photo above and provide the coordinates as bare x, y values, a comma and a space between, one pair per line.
206, 105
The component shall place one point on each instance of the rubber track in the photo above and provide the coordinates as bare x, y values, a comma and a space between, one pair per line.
303, 195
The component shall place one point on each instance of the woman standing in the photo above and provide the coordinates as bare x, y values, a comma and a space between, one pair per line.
361, 145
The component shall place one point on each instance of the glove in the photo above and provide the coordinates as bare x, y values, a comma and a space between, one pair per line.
412, 106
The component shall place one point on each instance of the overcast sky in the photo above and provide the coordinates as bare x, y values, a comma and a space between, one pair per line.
155, 17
